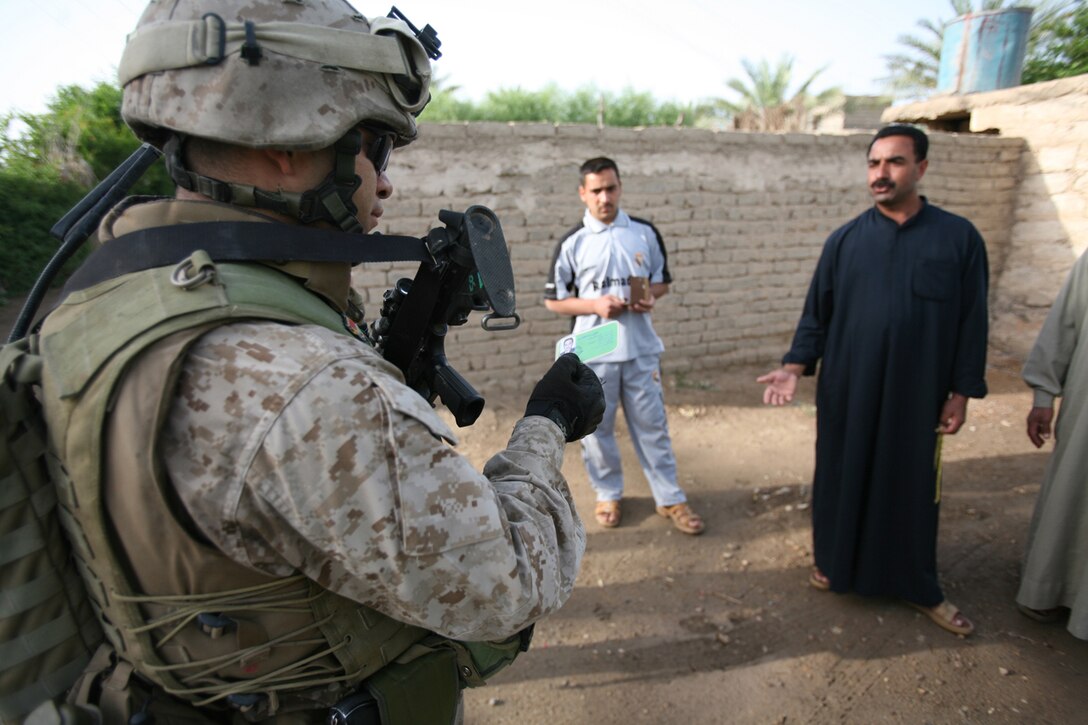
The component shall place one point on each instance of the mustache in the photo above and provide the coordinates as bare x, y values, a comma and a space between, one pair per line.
882, 183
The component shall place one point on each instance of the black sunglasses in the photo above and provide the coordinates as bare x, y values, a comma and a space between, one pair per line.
381, 148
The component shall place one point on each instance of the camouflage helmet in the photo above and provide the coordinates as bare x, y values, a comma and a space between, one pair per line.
287, 74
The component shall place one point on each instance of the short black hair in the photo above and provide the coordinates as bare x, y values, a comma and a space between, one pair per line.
921, 141
596, 165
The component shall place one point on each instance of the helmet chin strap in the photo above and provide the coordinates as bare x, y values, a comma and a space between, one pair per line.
329, 201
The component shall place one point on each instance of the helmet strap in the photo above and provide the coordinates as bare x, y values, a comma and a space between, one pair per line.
330, 201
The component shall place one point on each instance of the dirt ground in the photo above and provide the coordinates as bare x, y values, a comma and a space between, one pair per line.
723, 628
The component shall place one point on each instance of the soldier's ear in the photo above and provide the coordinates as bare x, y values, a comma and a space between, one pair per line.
283, 161
295, 168
922, 166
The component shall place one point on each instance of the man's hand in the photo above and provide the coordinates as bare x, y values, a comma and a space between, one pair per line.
570, 394
643, 305
781, 386
608, 306
953, 414
1039, 425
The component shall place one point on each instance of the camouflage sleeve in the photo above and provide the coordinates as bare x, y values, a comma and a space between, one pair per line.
297, 449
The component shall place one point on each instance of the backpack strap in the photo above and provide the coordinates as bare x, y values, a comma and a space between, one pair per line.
239, 242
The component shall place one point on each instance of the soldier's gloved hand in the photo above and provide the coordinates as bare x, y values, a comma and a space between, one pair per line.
571, 395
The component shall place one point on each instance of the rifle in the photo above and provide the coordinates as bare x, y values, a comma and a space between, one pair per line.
463, 267
469, 269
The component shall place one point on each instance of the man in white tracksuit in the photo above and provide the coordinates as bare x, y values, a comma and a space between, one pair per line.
591, 280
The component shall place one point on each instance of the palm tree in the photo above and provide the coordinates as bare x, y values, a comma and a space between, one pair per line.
764, 103
913, 72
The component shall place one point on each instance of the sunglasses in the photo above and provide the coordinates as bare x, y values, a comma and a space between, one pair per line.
381, 148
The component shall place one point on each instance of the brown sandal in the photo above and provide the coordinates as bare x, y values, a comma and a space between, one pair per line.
607, 514
1046, 616
818, 580
946, 615
683, 518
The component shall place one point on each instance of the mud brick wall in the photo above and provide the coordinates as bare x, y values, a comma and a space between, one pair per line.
744, 217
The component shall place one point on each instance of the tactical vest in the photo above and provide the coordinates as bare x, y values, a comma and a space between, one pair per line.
205, 629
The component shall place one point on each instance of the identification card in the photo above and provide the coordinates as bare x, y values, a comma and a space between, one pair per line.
590, 344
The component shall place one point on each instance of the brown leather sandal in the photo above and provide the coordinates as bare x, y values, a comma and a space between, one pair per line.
607, 514
1046, 616
948, 617
818, 580
683, 518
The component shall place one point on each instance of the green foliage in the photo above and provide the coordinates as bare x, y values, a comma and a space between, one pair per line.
81, 136
1063, 48
763, 100
30, 203
444, 106
515, 104
48, 162
640, 109
551, 104
913, 73
584, 106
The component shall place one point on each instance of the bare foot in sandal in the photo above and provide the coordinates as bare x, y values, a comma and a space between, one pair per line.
683, 518
948, 617
607, 514
818, 580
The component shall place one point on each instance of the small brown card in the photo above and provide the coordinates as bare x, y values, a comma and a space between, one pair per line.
640, 289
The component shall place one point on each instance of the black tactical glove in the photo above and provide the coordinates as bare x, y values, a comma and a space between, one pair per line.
571, 395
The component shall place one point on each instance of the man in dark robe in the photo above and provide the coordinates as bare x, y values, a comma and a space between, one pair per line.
896, 315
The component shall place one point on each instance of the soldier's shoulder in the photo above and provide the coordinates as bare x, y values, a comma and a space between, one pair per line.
270, 355
266, 346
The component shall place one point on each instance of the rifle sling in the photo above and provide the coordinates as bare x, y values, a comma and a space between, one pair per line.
239, 242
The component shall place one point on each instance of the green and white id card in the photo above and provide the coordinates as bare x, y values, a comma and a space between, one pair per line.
590, 344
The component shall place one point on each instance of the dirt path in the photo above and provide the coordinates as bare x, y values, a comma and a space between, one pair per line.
665, 628
722, 628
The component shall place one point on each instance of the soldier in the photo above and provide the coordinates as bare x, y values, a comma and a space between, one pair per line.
268, 520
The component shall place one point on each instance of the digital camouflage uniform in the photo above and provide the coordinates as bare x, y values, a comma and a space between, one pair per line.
297, 449
264, 515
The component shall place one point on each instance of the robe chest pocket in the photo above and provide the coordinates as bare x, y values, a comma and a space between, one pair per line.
934, 279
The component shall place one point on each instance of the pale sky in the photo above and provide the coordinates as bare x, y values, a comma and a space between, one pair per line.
683, 50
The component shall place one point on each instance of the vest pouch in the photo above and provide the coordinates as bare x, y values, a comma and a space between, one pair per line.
48, 628
53, 713
109, 691
477, 662
423, 690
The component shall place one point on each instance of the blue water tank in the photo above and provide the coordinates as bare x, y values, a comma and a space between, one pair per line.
984, 51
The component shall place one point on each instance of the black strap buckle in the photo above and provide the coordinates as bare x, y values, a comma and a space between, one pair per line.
359, 708
526, 638
428, 37
251, 50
